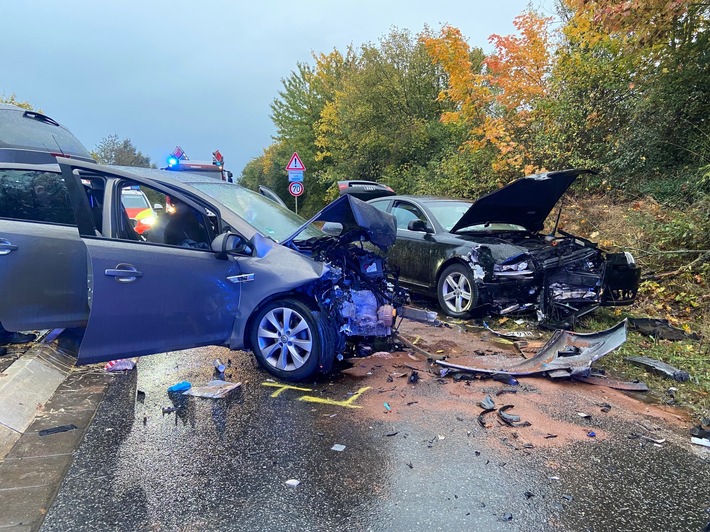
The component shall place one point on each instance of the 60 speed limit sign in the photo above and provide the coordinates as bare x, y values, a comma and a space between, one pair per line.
296, 188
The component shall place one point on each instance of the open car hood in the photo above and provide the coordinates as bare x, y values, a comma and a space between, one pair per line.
359, 220
526, 202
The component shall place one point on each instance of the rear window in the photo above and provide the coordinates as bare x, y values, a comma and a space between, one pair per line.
35, 196
30, 130
134, 201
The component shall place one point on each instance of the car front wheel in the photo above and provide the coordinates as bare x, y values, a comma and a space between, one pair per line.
286, 340
457, 291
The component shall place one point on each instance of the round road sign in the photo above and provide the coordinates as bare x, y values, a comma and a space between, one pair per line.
296, 188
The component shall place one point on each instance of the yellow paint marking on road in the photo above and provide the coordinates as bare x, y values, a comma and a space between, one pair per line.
283, 387
347, 403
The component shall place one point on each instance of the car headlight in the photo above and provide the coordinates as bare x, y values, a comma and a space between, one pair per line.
517, 267
150, 220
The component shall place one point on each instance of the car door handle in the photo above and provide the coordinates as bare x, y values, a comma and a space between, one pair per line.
124, 273
6, 247
243, 278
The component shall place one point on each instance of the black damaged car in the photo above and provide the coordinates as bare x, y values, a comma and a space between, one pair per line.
491, 256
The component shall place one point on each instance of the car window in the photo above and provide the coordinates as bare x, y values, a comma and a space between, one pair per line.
152, 216
405, 213
381, 205
35, 196
447, 213
264, 215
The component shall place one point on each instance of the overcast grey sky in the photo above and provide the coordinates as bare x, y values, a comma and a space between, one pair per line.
200, 74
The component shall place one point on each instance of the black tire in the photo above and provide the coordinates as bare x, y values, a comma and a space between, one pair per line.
457, 291
286, 339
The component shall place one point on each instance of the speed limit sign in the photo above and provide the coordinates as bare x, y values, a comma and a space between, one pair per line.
296, 188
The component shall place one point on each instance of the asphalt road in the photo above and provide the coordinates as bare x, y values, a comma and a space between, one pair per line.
223, 465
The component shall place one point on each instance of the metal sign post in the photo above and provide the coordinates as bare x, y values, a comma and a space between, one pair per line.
295, 169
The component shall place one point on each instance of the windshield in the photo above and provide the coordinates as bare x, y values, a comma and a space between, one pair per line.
263, 214
134, 201
447, 213
492, 227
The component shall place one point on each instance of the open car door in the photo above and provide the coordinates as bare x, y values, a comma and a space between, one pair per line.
150, 297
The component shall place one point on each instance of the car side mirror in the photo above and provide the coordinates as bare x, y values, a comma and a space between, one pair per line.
419, 225
157, 207
231, 244
332, 228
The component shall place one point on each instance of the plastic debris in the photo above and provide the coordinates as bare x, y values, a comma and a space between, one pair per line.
169, 410
388, 408
414, 377
584, 415
592, 346
219, 365
660, 368
592, 434
293, 482
216, 389
180, 387
511, 419
482, 418
660, 329
338, 447
700, 441
487, 403
56, 430
123, 364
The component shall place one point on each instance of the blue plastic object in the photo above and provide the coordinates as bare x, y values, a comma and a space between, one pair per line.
180, 387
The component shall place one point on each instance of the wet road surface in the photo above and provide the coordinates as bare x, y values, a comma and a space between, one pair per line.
223, 465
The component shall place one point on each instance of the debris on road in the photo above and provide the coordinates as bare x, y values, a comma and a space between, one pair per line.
179, 387
338, 447
122, 364
219, 365
169, 409
589, 348
487, 403
482, 418
293, 482
511, 419
660, 368
660, 329
56, 430
414, 377
700, 441
513, 334
215, 389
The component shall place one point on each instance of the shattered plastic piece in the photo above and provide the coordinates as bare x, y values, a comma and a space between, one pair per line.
584, 415
605, 407
506, 379
700, 441
660, 367
216, 389
388, 407
507, 517
414, 377
169, 409
592, 434
293, 482
511, 419
218, 365
180, 387
660, 329
592, 346
338, 447
482, 418
487, 403
700, 432
550, 436
56, 430
123, 364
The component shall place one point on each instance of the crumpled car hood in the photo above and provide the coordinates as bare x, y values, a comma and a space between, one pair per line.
526, 202
359, 220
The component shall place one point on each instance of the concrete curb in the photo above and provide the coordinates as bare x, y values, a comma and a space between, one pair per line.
32, 470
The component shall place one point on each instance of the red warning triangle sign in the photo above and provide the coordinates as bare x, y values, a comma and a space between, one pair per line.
295, 163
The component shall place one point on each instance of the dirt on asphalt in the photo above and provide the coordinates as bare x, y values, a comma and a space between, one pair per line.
558, 411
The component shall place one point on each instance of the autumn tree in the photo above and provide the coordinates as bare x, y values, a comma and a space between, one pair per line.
12, 100
114, 151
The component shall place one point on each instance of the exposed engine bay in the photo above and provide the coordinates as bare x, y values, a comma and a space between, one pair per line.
561, 277
359, 294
